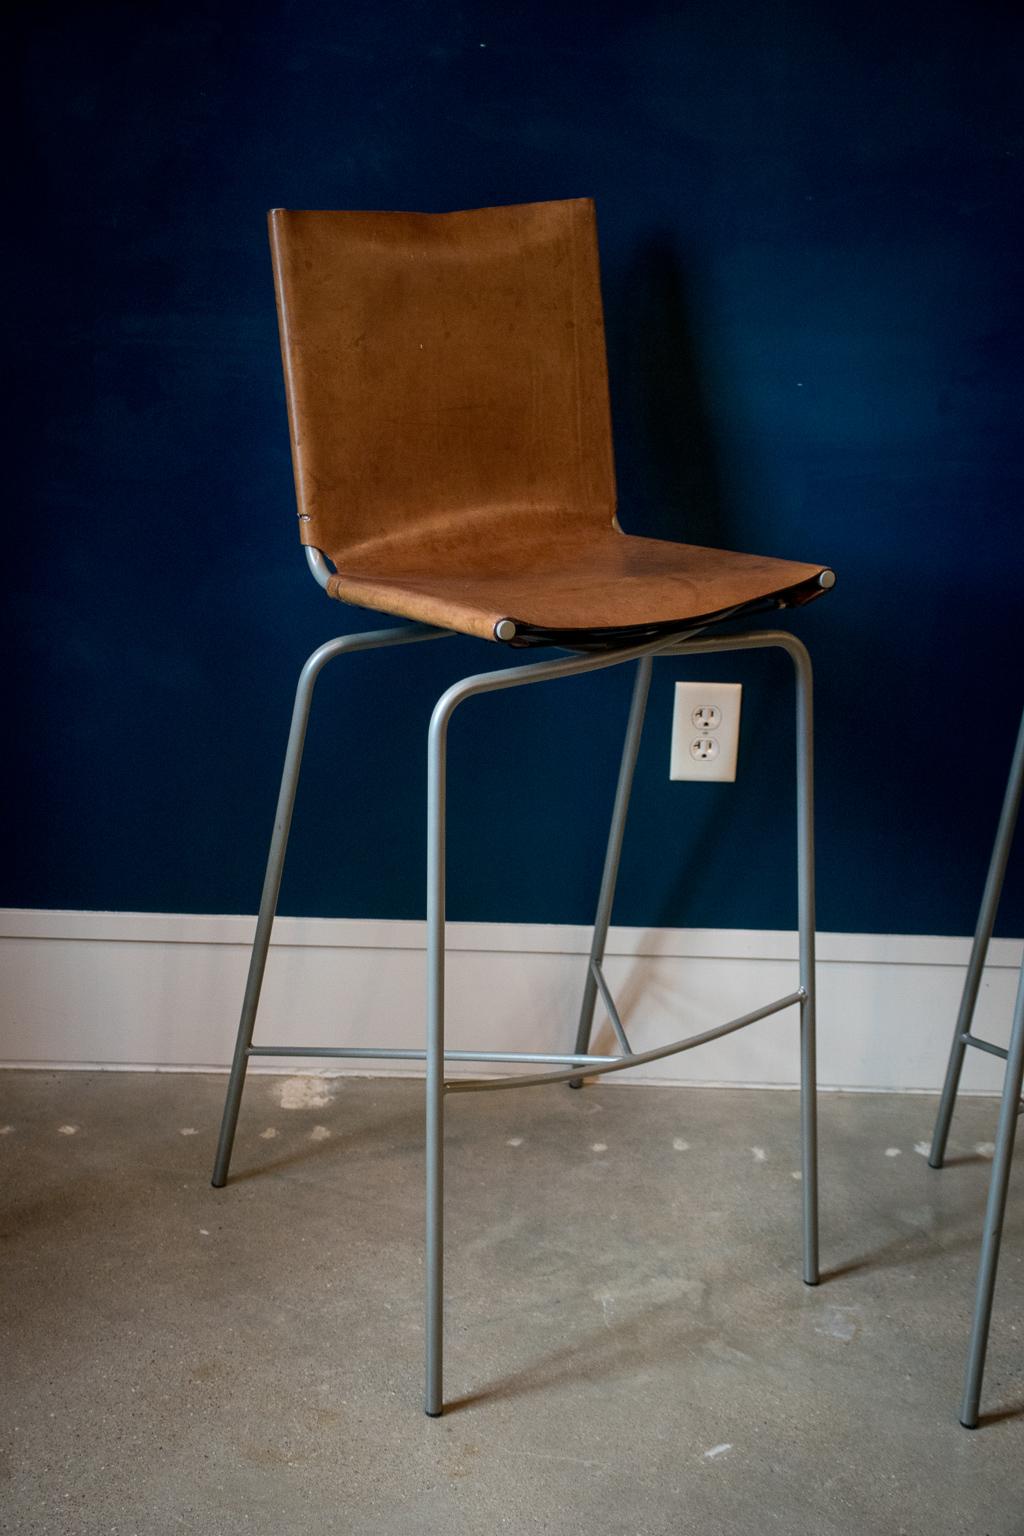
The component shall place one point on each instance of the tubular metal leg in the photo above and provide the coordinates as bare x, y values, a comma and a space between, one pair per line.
797, 653
806, 921
437, 747
979, 950
994, 1212
602, 918
436, 764
275, 862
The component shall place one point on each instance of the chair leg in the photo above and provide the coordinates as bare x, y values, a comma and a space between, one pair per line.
405, 635
979, 950
806, 922
433, 1402
609, 877
994, 1212
265, 920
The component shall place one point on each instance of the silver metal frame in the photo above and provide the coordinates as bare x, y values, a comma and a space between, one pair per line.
1010, 1105
571, 1066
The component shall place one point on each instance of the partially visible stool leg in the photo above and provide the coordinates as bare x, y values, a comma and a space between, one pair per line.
609, 877
268, 908
979, 950
994, 1212
806, 922
436, 756
406, 634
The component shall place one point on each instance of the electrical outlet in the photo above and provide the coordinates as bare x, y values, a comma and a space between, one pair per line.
705, 731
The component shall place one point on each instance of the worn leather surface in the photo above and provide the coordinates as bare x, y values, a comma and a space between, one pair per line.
448, 401
574, 579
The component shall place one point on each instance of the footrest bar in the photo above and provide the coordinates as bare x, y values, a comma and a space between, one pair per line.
620, 1063
983, 1045
373, 1052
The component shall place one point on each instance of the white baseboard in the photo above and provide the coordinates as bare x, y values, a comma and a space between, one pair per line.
149, 991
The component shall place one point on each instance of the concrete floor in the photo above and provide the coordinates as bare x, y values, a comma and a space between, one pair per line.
630, 1348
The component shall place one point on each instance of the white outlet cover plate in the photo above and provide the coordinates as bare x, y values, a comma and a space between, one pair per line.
691, 761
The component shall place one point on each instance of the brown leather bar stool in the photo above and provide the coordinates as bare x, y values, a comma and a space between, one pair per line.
448, 402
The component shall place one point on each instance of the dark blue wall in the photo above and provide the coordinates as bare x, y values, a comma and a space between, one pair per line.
814, 324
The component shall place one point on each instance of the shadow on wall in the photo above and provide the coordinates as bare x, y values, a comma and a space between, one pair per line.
677, 482
676, 487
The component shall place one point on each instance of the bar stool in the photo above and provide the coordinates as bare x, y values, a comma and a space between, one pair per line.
448, 405
1010, 1104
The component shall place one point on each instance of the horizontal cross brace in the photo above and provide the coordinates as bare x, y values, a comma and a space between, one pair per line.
373, 1052
594, 1066
610, 1008
983, 1045
620, 1063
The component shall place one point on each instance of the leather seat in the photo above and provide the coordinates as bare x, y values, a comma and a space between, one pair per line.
580, 585
448, 398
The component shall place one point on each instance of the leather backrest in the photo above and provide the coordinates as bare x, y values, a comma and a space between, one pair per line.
443, 371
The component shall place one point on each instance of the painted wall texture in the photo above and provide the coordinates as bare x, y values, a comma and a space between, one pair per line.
814, 326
